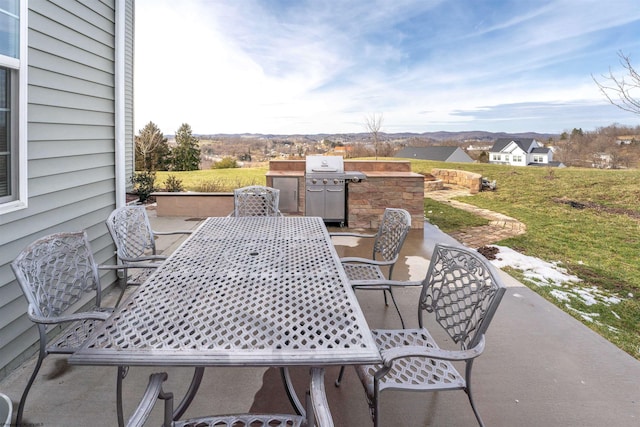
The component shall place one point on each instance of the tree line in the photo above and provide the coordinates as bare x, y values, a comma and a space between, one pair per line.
153, 153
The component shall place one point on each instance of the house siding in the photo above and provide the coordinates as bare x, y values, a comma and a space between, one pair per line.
71, 147
526, 149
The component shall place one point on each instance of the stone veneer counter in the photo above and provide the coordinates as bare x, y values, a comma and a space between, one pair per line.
389, 184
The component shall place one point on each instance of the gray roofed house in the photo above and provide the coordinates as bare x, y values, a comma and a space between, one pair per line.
442, 153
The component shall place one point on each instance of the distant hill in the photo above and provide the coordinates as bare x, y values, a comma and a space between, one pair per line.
436, 136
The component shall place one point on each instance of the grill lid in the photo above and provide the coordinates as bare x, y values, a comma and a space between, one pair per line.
324, 164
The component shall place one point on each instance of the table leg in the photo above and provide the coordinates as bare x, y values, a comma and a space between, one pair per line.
191, 393
291, 392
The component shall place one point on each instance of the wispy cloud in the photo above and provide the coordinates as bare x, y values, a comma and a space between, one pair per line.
318, 66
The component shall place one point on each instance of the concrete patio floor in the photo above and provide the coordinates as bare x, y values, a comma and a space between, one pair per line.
541, 367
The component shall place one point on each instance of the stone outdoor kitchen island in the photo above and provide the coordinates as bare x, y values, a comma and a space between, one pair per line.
388, 184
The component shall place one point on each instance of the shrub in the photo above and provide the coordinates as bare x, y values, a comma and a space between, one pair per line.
212, 186
225, 163
218, 185
143, 184
172, 184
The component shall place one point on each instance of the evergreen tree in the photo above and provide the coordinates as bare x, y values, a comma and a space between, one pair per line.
152, 151
186, 154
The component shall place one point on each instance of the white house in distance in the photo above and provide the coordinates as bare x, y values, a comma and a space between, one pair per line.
521, 152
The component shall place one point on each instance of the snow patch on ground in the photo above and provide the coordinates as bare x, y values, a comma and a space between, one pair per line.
537, 271
567, 288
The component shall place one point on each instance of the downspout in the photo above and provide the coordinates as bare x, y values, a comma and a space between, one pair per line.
120, 179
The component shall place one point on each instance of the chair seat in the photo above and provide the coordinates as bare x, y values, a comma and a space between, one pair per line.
72, 337
363, 271
411, 373
243, 420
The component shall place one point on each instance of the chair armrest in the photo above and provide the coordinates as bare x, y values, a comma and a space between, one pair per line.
152, 258
85, 315
153, 392
384, 283
121, 266
367, 261
167, 233
389, 355
350, 234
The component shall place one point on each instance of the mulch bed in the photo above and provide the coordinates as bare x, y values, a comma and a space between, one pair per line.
489, 252
598, 208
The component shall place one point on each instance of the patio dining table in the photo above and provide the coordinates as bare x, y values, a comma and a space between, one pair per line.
252, 291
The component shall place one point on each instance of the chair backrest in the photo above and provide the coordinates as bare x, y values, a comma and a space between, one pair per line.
57, 271
392, 232
131, 232
463, 291
256, 200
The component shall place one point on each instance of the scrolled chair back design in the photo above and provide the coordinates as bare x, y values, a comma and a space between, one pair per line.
392, 232
56, 271
256, 200
458, 291
130, 228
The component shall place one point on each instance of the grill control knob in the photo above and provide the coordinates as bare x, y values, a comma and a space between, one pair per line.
324, 181
313, 180
336, 181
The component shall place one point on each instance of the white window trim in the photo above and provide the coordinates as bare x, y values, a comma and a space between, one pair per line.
22, 200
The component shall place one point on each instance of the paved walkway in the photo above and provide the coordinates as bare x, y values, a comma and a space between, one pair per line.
500, 226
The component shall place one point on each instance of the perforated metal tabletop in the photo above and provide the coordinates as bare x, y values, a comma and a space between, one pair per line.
256, 291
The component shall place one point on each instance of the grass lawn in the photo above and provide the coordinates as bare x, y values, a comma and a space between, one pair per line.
216, 180
586, 220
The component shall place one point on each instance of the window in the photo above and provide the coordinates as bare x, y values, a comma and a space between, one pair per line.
506, 157
12, 105
517, 159
538, 159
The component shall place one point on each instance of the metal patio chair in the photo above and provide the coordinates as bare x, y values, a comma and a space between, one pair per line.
461, 293
57, 274
256, 200
135, 244
388, 241
317, 412
6, 410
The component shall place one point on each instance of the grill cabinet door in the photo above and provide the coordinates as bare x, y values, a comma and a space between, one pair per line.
288, 193
314, 201
334, 203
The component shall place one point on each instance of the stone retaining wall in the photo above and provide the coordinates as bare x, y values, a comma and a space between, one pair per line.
434, 185
472, 181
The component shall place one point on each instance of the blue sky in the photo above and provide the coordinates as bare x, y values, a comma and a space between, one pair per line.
295, 66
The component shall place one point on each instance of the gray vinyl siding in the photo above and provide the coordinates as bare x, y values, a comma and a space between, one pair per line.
71, 147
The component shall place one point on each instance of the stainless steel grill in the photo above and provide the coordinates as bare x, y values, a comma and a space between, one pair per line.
326, 187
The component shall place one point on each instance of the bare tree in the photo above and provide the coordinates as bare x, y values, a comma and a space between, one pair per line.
373, 122
623, 92
152, 150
